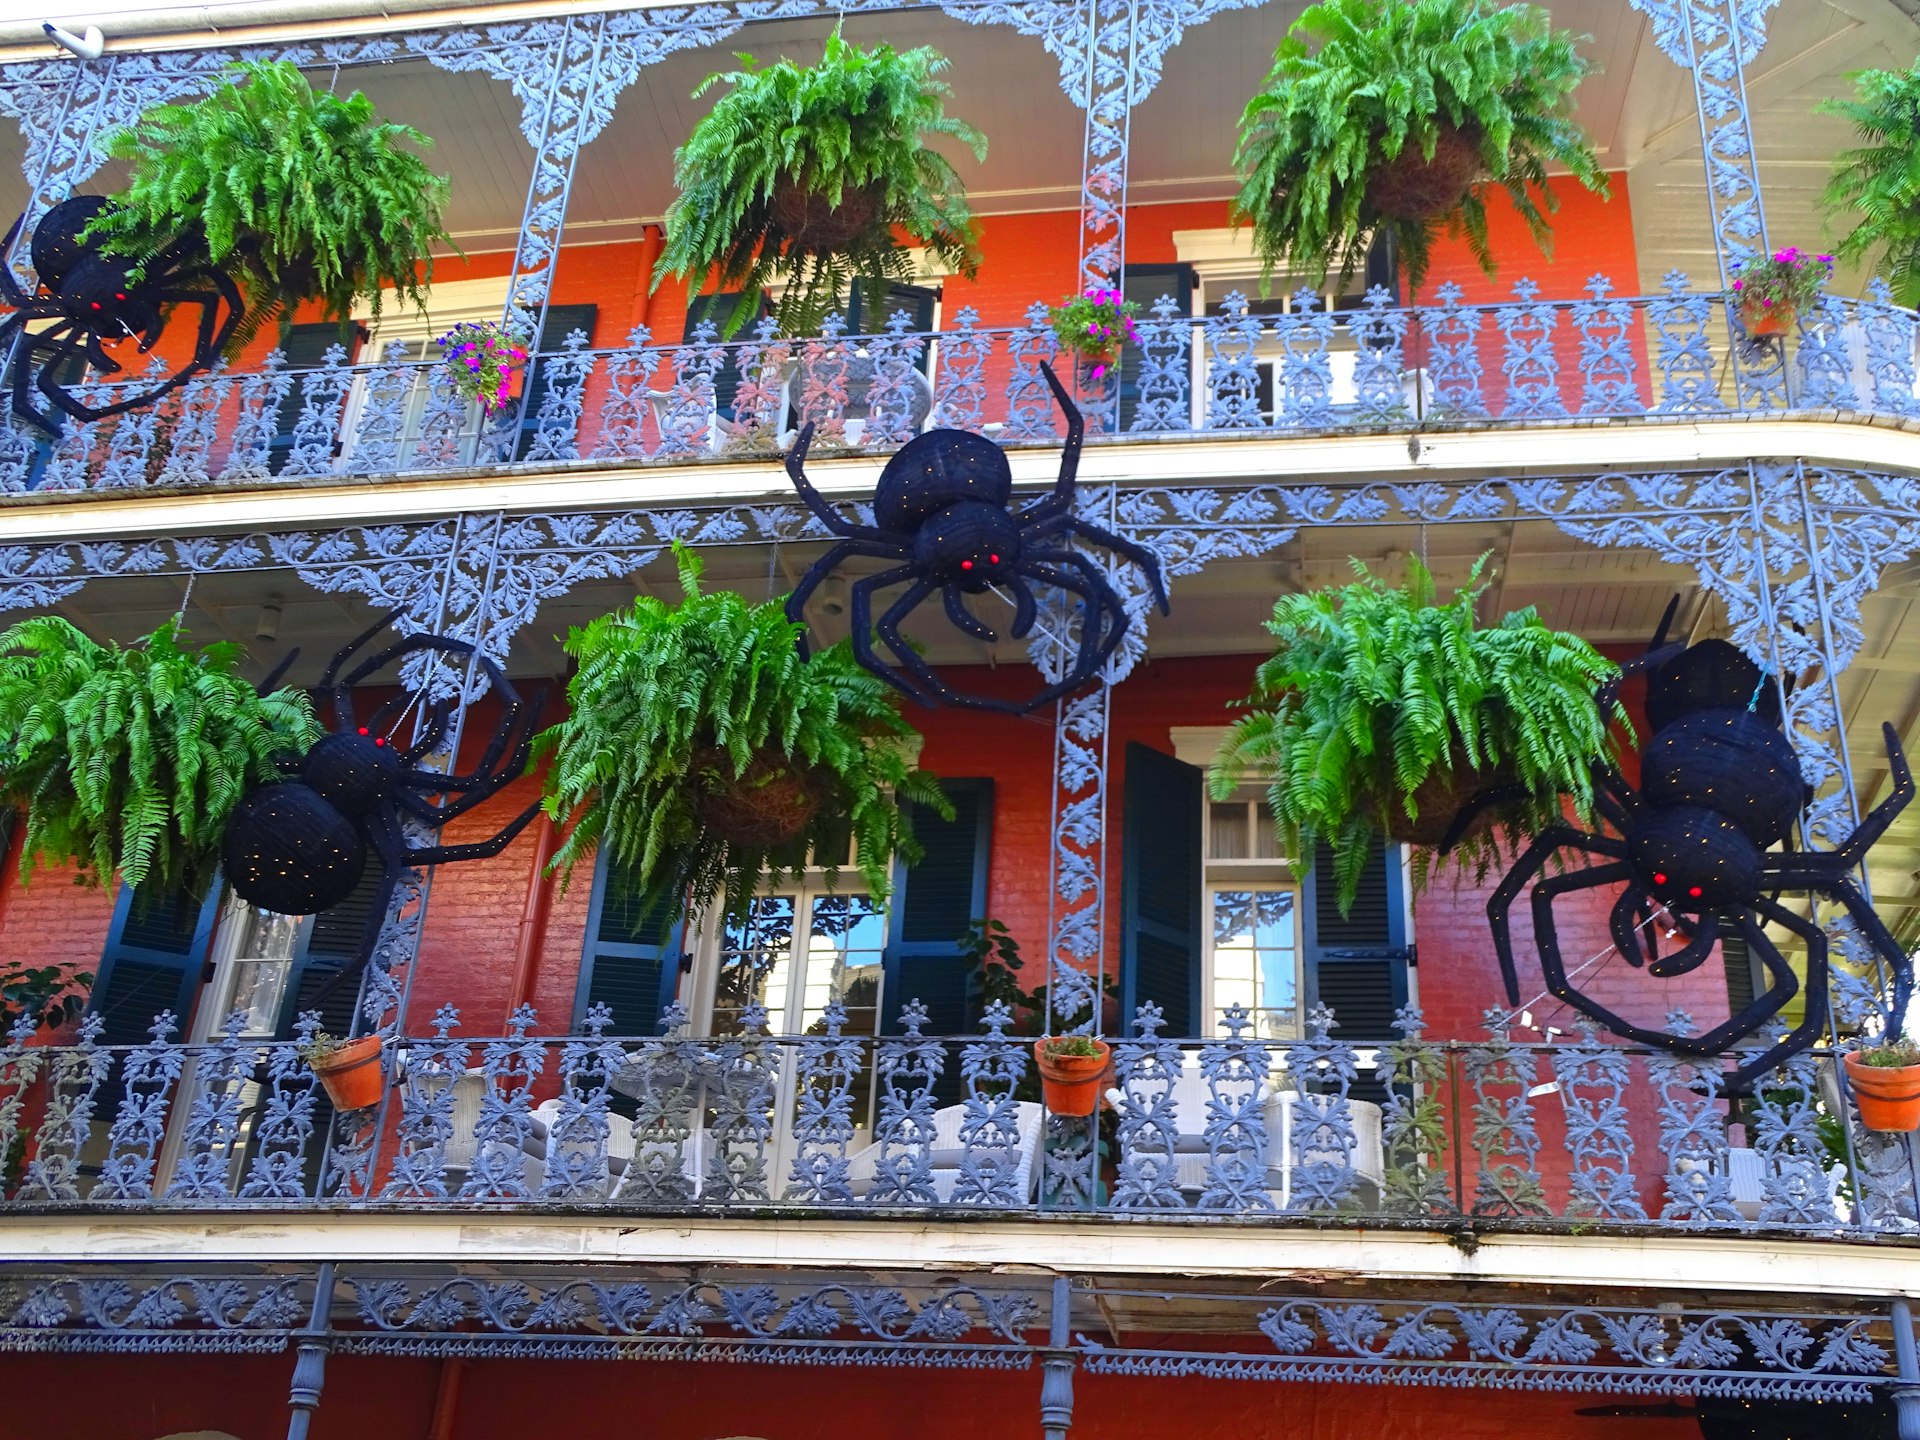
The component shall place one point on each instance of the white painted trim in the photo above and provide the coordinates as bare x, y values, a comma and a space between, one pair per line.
1753, 1265
1874, 444
1197, 744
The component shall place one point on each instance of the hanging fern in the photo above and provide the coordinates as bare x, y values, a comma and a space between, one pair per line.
1880, 180
1373, 693
298, 194
131, 760
762, 175
1482, 94
675, 705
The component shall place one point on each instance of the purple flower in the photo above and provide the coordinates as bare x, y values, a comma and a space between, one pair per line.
1824, 259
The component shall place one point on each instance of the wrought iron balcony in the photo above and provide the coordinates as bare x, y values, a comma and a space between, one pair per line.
1416, 1133
1305, 371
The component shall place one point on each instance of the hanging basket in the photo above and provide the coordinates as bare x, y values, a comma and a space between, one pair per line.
1412, 187
352, 1074
1440, 798
1761, 320
1888, 1095
768, 806
1070, 1084
814, 223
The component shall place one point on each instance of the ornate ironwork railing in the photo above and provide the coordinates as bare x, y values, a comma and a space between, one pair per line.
1303, 370
1436, 1134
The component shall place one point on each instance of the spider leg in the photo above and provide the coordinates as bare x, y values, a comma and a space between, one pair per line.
1025, 608
1546, 937
964, 620
860, 613
346, 651
1531, 861
1102, 625
1869, 830
1059, 501
479, 849
20, 361
825, 565
10, 290
1144, 558
1097, 591
433, 729
1625, 922
817, 503
406, 645
1481, 802
910, 660
492, 775
279, 672
1899, 964
1813, 1022
1690, 956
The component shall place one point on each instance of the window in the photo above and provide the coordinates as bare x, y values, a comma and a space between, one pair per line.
452, 302
1253, 951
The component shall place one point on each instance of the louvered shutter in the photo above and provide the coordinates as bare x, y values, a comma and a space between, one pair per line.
867, 315
718, 308
933, 903
631, 963
326, 969
305, 348
1357, 964
153, 960
561, 321
1162, 894
1144, 285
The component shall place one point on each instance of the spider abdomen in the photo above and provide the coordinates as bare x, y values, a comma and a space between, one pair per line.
1695, 859
936, 470
1729, 761
351, 772
288, 850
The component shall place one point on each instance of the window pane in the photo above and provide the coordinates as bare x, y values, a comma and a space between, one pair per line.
1256, 960
1227, 831
848, 934
254, 988
756, 957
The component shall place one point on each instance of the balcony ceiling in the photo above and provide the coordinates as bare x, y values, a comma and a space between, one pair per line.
1639, 108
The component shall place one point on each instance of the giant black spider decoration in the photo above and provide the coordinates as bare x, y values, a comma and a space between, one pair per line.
93, 297
300, 845
943, 510
1720, 787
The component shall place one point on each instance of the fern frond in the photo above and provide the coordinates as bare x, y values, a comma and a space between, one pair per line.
130, 761
860, 120
670, 703
1389, 74
1372, 691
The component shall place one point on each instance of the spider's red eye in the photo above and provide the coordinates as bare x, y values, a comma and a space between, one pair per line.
379, 740
119, 294
1694, 891
966, 564
96, 304
363, 729
1658, 878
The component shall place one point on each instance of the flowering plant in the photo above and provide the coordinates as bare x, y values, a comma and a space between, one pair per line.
1094, 325
1785, 280
480, 356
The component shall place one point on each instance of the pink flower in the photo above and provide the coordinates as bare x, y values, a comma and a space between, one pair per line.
1098, 372
1736, 284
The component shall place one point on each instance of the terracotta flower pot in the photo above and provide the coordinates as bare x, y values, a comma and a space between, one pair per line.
352, 1074
1098, 360
1761, 320
1888, 1095
812, 222
768, 806
1071, 1084
1412, 187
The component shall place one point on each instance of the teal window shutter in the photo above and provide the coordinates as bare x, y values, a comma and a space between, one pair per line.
1144, 285
561, 321
1162, 890
305, 348
717, 308
153, 961
631, 963
326, 967
1358, 964
933, 903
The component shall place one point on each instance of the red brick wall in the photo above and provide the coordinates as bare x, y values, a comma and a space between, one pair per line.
102, 1397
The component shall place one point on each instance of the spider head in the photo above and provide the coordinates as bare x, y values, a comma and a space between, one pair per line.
1696, 860
99, 292
972, 545
352, 770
